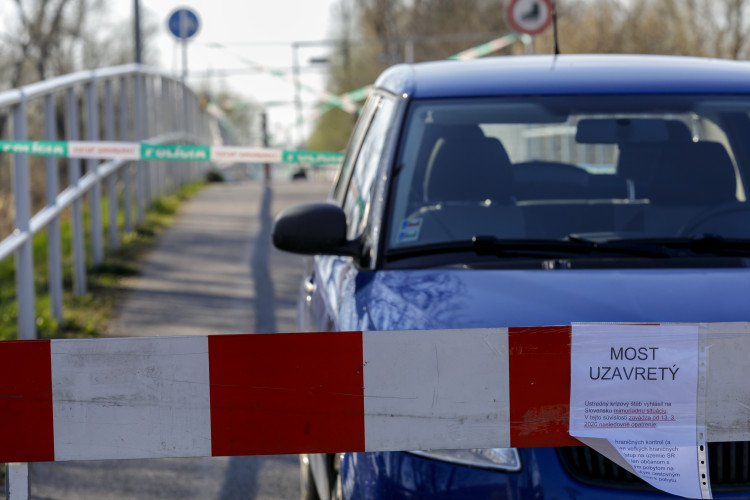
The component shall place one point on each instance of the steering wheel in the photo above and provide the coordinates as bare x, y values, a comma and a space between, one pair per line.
714, 214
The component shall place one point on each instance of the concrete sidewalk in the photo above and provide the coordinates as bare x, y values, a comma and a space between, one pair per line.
215, 271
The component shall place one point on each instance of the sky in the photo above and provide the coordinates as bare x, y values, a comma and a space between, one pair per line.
236, 36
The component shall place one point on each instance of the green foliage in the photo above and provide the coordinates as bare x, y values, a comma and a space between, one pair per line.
332, 132
88, 315
214, 176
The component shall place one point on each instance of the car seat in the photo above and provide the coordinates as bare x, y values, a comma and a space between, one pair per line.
697, 173
468, 166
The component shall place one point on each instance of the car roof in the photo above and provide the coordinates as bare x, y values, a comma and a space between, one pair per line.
567, 75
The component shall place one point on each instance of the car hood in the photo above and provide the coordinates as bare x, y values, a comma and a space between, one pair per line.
430, 299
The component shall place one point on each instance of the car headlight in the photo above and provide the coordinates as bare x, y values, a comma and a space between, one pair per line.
505, 459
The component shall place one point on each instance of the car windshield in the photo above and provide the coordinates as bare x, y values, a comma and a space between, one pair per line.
583, 168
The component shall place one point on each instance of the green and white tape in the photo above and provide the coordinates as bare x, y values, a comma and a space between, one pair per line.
482, 50
167, 152
486, 48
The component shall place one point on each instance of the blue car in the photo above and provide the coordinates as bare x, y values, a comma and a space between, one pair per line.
531, 191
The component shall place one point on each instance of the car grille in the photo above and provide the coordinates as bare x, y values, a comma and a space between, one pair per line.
728, 463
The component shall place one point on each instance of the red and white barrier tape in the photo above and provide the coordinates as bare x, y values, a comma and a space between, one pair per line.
309, 392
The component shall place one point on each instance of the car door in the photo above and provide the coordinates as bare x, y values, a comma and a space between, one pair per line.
329, 287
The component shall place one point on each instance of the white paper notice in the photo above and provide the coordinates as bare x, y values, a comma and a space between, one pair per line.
636, 386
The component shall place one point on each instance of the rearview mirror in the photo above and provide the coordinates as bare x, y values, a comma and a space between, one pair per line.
619, 130
313, 229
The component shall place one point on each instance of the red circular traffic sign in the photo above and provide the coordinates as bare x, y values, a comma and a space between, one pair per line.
529, 16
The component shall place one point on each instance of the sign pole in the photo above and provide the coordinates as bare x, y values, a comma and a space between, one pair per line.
183, 23
137, 29
184, 39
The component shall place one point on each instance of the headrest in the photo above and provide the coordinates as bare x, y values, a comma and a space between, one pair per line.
697, 173
471, 167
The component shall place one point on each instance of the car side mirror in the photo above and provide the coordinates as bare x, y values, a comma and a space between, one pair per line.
313, 229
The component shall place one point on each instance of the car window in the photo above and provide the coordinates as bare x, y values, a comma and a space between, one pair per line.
361, 185
353, 148
597, 167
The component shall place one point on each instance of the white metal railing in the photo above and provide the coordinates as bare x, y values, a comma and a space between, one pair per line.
124, 103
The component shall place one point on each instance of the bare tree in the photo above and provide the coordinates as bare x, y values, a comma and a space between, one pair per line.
710, 28
40, 32
732, 40
46, 38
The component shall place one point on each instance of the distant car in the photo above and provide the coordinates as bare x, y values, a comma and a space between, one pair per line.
529, 191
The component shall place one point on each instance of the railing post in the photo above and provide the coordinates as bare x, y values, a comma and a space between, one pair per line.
184, 173
166, 92
25, 254
54, 251
95, 196
191, 126
179, 121
140, 173
147, 102
181, 168
17, 485
74, 177
126, 171
175, 114
153, 127
199, 124
194, 125
109, 135
200, 130
158, 113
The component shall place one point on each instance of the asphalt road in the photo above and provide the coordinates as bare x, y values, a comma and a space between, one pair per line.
213, 272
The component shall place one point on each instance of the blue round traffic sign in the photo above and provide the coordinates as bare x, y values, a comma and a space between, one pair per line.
183, 23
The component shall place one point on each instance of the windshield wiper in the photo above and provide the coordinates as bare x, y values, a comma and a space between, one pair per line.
540, 248
574, 245
488, 245
639, 248
708, 244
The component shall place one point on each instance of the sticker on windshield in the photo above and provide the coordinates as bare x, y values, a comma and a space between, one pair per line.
409, 230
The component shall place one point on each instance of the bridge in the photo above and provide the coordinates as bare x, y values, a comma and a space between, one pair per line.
213, 271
